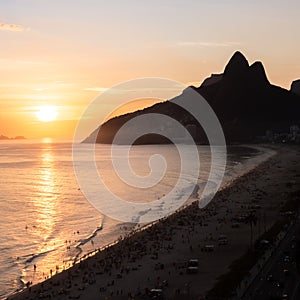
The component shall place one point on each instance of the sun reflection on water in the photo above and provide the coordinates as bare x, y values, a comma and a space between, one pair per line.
46, 203
46, 199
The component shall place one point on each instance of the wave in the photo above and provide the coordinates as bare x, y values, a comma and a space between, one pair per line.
84, 241
37, 255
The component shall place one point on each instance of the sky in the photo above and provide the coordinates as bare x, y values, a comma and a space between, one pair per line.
63, 53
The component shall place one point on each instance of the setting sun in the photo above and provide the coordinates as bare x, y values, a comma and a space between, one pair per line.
46, 113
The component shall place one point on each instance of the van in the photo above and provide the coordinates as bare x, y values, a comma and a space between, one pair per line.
208, 248
193, 262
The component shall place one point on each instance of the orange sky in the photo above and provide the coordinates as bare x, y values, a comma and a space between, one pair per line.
64, 53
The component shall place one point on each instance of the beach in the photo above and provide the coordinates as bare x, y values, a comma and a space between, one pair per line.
157, 257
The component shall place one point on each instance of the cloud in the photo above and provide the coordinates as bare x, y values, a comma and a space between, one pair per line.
11, 27
209, 44
95, 89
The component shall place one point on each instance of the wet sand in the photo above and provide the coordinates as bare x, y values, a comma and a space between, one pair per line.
157, 256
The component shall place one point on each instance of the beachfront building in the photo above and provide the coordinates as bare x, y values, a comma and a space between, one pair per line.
293, 136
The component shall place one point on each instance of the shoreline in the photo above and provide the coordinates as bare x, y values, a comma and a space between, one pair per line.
133, 238
267, 152
263, 153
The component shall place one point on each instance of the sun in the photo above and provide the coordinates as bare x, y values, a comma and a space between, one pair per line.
46, 113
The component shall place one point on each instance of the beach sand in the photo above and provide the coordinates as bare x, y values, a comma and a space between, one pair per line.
157, 256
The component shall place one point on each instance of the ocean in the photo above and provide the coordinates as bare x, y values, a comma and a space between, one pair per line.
46, 223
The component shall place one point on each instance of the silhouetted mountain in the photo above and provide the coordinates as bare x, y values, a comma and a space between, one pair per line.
3, 137
295, 87
242, 98
214, 78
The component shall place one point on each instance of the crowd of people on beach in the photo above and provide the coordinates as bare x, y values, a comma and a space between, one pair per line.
190, 227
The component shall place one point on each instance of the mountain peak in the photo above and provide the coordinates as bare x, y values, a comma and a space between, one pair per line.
238, 55
237, 63
258, 72
295, 87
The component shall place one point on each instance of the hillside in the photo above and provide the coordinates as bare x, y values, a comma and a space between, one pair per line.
244, 100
